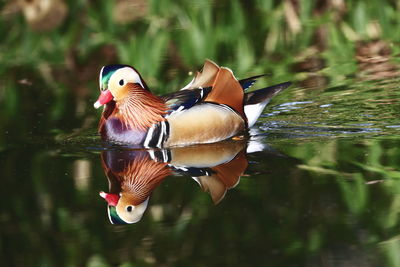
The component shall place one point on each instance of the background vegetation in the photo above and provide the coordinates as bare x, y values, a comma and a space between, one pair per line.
53, 52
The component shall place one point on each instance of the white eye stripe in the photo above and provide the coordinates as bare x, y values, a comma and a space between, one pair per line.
128, 75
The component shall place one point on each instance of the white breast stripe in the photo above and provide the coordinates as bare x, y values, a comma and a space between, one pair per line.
162, 133
151, 153
148, 137
164, 128
165, 155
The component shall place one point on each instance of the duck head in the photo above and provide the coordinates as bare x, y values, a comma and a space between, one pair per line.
116, 82
122, 209
128, 99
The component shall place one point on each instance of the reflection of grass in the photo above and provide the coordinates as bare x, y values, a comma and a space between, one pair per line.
376, 169
391, 250
385, 172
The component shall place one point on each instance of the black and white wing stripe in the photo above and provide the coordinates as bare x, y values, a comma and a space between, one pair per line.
192, 171
185, 99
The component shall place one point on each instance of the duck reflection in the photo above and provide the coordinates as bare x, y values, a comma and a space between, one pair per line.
134, 174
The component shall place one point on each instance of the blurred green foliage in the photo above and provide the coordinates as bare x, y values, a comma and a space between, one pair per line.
249, 36
56, 59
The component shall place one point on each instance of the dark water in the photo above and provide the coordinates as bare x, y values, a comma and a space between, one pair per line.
321, 187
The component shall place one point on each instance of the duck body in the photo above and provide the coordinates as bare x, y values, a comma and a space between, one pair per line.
211, 108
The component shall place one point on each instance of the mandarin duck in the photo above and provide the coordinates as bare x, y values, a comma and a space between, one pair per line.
211, 108
134, 174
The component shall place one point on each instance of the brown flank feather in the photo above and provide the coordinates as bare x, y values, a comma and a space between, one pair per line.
227, 90
207, 76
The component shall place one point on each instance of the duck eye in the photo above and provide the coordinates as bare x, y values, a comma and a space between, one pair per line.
129, 208
121, 82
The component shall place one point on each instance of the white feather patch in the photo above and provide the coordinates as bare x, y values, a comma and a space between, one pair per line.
162, 133
149, 136
254, 111
254, 146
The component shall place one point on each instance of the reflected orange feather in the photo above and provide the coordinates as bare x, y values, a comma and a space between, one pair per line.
141, 177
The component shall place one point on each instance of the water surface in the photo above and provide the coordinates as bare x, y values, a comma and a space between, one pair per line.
321, 187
